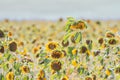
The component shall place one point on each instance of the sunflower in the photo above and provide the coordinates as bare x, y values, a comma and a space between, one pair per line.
94, 77
25, 69
35, 50
100, 40
42, 73
108, 72
117, 70
56, 54
74, 63
88, 42
88, 78
1, 34
64, 53
13, 46
1, 49
24, 52
109, 35
51, 46
112, 41
83, 49
73, 39
10, 76
9, 34
56, 65
65, 44
81, 25
74, 51
39, 78
95, 53
65, 78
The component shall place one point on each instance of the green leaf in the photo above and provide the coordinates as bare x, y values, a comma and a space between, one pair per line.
2, 77
71, 19
5, 66
90, 46
80, 70
17, 66
26, 78
70, 51
86, 25
78, 37
65, 38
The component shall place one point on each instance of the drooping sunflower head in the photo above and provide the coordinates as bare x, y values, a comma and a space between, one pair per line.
56, 54
56, 65
10, 76
13, 46
25, 69
51, 46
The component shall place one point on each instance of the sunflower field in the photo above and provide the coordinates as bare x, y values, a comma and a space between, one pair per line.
60, 50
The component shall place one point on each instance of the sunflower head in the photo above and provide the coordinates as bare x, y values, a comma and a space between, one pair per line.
100, 40
95, 53
73, 39
10, 76
65, 78
13, 46
65, 44
110, 35
56, 65
83, 49
35, 50
1, 34
51, 46
88, 42
112, 41
108, 72
1, 49
81, 25
117, 70
10, 34
74, 51
94, 77
74, 63
56, 54
25, 69
88, 78
41, 74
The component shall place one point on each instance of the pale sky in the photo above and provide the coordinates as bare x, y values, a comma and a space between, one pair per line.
54, 9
